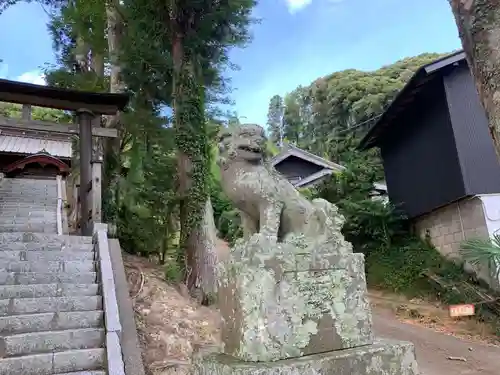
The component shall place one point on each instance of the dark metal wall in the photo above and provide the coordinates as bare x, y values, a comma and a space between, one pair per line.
293, 168
420, 156
478, 160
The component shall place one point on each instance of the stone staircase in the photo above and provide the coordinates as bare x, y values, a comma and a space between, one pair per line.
51, 308
28, 205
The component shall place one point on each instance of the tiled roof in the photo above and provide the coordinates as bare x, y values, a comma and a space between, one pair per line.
29, 146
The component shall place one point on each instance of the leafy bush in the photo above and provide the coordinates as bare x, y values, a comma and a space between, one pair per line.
173, 272
229, 226
395, 257
226, 217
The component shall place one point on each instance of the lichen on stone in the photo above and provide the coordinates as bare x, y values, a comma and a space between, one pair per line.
282, 300
292, 286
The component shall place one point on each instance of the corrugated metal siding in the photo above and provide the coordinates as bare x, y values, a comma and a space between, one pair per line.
420, 157
24, 145
478, 160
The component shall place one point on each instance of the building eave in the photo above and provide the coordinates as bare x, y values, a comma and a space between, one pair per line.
407, 95
307, 156
312, 179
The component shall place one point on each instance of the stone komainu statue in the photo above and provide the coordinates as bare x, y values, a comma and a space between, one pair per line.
293, 287
269, 204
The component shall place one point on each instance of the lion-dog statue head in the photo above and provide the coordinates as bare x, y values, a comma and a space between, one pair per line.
245, 143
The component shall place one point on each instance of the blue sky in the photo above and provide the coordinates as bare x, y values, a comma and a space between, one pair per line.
296, 42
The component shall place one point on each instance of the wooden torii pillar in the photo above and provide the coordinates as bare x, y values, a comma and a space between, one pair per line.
86, 119
88, 107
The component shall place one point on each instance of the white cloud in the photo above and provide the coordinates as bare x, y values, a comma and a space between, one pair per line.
35, 76
4, 70
296, 5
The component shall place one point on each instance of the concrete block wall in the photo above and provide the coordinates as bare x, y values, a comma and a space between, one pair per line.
448, 226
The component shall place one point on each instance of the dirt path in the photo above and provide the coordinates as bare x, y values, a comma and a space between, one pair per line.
170, 325
434, 348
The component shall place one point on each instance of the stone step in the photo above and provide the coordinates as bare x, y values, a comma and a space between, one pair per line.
48, 290
14, 189
23, 306
26, 202
28, 190
40, 246
35, 228
23, 278
84, 373
13, 214
48, 228
27, 220
27, 181
20, 212
27, 210
30, 224
27, 206
51, 341
6, 219
32, 197
55, 363
48, 255
35, 183
38, 181
35, 186
51, 321
26, 236
68, 266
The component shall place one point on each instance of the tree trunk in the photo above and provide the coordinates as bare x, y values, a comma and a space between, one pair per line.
98, 64
478, 23
192, 167
82, 51
115, 26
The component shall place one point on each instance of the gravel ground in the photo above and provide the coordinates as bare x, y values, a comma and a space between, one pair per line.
434, 348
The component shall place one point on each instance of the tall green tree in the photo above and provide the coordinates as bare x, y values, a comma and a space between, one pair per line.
318, 114
275, 119
195, 64
187, 49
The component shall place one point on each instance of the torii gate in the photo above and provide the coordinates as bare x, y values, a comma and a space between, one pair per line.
88, 108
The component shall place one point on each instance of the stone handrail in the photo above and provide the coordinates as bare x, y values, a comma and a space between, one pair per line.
111, 314
131, 349
59, 206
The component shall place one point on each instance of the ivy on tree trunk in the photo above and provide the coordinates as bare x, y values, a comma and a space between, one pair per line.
115, 27
192, 159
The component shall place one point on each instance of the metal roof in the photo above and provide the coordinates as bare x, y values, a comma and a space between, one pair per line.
292, 150
313, 178
31, 146
407, 95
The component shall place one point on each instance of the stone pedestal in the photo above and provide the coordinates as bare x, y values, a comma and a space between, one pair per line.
383, 357
299, 308
289, 301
